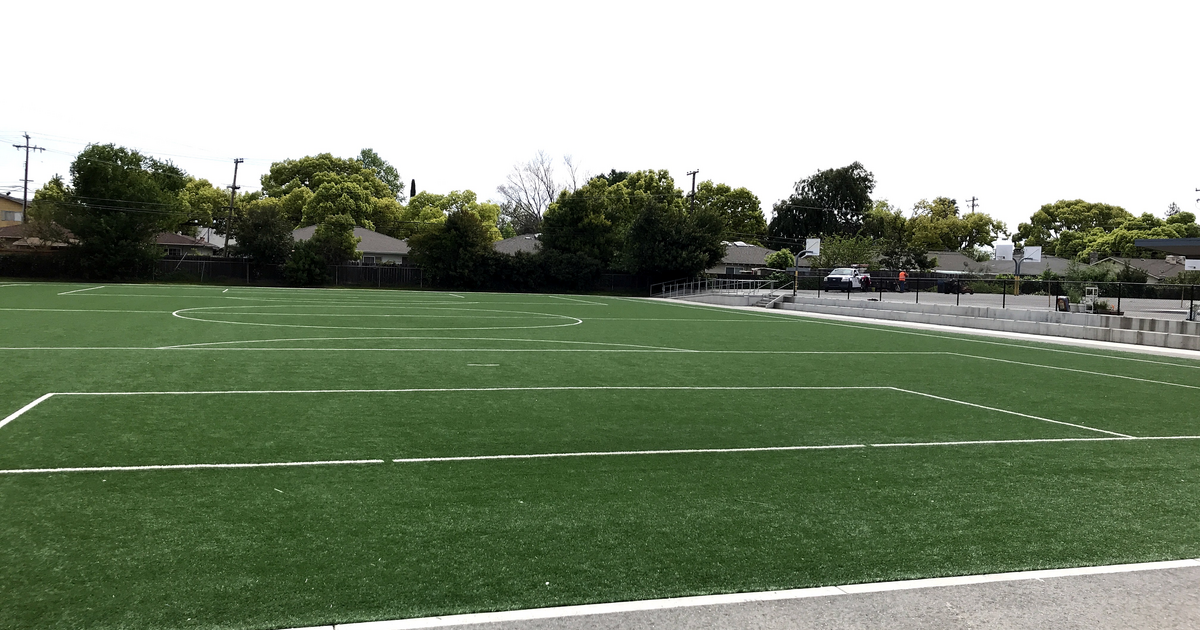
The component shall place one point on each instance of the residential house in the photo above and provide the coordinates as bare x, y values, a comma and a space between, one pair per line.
741, 257
376, 248
179, 245
1157, 269
18, 236
10, 210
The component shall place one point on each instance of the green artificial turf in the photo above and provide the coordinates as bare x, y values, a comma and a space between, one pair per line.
284, 547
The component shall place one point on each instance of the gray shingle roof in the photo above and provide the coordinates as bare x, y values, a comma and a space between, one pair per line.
522, 243
373, 243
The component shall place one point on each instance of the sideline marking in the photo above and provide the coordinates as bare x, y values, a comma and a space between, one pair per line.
562, 612
332, 462
81, 290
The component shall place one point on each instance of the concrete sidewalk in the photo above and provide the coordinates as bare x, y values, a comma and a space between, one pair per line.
1160, 599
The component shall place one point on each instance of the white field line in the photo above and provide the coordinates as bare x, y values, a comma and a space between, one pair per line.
334, 462
1015, 413
18, 413
82, 310
576, 300
81, 290
209, 310
680, 451
674, 451
411, 338
1077, 370
562, 388
565, 612
33, 404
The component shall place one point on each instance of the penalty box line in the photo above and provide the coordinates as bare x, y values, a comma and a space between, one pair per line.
45, 397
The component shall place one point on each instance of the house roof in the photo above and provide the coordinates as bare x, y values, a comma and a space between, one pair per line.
522, 243
739, 253
1183, 246
372, 243
7, 197
168, 238
13, 232
1157, 268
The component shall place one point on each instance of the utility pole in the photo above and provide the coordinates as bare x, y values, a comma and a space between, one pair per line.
25, 196
973, 201
693, 174
232, 195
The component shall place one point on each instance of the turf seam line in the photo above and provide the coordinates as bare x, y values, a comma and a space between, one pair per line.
678, 451
329, 462
1015, 413
560, 612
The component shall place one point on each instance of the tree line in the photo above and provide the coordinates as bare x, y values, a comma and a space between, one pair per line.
639, 222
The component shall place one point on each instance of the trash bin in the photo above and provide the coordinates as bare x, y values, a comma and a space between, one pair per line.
941, 286
1062, 303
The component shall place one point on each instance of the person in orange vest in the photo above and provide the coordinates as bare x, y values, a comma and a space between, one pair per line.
903, 283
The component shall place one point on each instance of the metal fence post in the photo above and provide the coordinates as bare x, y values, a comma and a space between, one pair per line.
1119, 284
1192, 303
916, 289
1003, 293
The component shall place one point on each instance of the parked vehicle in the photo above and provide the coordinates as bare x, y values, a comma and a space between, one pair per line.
846, 279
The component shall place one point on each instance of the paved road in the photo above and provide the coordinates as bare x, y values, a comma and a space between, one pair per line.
1161, 599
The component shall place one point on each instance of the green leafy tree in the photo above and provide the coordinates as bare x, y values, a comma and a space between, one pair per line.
891, 231
384, 172
591, 221
314, 188
841, 251
739, 208
119, 201
1052, 220
426, 210
1078, 229
937, 225
202, 203
335, 240
455, 252
264, 233
781, 259
832, 201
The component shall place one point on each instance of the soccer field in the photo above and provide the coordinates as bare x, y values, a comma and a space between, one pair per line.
198, 456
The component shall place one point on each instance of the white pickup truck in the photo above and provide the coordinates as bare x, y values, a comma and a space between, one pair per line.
846, 279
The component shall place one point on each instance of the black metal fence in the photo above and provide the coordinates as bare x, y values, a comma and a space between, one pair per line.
236, 270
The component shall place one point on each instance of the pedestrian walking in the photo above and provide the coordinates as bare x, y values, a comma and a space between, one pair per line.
903, 282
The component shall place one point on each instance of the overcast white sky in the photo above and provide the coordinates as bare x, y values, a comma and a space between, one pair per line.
1016, 103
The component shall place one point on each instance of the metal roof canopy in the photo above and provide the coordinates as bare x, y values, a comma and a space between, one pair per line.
1189, 247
